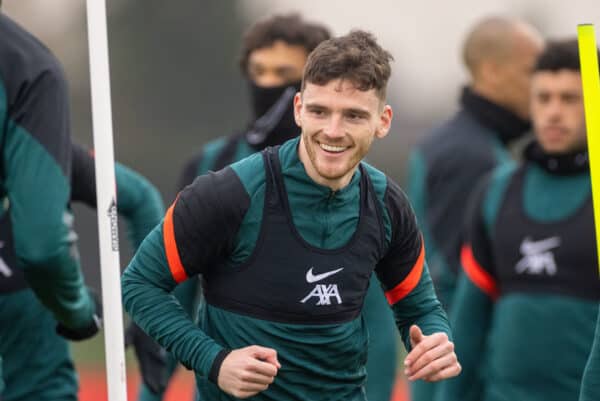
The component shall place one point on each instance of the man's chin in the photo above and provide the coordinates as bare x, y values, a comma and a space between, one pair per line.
558, 149
332, 173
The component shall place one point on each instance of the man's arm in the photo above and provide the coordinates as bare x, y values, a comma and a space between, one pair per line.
186, 293
36, 163
197, 232
408, 288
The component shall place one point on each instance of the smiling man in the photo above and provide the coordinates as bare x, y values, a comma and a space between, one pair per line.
286, 241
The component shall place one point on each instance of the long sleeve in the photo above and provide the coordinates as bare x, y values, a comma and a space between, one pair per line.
404, 274
197, 230
147, 284
188, 291
36, 163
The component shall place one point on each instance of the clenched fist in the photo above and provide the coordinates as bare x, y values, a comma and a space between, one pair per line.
248, 371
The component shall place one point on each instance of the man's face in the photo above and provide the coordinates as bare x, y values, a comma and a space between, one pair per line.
513, 75
557, 111
277, 65
339, 123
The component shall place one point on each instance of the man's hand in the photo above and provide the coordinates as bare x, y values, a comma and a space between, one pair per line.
248, 371
432, 357
88, 331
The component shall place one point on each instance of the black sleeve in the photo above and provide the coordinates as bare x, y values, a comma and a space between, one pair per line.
83, 178
405, 249
206, 218
35, 91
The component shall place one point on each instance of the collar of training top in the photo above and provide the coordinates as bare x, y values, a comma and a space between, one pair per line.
505, 123
558, 164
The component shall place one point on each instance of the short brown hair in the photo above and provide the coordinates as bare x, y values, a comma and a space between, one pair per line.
356, 57
289, 28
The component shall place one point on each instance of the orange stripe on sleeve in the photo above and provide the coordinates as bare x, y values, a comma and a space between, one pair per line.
410, 282
173, 259
477, 274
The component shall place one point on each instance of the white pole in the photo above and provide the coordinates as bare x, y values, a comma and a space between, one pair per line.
106, 200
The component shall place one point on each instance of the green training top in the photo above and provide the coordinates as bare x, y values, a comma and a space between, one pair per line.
214, 227
525, 309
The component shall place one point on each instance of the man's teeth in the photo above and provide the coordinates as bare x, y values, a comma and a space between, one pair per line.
331, 148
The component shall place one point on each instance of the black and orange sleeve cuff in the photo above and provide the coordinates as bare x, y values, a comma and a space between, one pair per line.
173, 259
410, 281
477, 274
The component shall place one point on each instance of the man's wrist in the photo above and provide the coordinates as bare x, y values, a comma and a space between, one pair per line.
213, 374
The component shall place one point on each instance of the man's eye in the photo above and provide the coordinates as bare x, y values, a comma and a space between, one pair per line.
543, 98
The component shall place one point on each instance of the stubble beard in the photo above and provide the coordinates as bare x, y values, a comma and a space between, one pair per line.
350, 165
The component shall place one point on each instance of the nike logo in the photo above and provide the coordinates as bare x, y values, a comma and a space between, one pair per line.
311, 278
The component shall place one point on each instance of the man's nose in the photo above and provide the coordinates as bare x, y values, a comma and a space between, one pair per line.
334, 128
554, 110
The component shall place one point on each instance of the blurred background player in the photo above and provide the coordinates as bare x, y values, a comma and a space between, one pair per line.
499, 54
274, 52
29, 341
35, 145
525, 309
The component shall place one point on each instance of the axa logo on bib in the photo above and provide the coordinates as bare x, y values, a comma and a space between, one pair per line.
324, 293
538, 257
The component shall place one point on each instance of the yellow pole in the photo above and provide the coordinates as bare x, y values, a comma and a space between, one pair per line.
588, 55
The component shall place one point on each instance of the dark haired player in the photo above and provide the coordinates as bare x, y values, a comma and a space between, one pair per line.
286, 241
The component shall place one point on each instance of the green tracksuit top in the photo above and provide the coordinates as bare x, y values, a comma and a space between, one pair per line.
216, 223
35, 148
525, 309
29, 342
381, 367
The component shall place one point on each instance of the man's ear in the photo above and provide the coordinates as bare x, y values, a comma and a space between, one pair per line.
297, 108
385, 122
489, 72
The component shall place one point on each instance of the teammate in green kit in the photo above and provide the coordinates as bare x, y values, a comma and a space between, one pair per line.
525, 309
273, 55
498, 54
35, 171
24, 320
286, 241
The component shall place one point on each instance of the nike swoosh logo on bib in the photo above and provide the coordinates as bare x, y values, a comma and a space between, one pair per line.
311, 278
